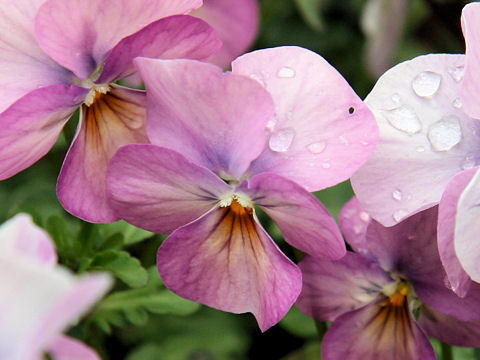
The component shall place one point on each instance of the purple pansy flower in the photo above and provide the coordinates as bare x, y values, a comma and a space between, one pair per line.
388, 296
58, 55
38, 298
223, 143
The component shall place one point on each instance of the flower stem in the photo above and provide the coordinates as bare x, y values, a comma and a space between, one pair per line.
447, 353
321, 329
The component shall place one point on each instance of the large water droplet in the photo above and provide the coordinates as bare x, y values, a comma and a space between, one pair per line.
317, 147
445, 133
399, 215
286, 72
404, 119
397, 195
426, 83
281, 140
457, 73
468, 162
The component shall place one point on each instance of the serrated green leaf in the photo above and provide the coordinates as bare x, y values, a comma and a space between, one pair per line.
122, 265
131, 234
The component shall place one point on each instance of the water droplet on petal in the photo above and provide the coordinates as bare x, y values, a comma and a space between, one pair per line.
457, 103
317, 147
397, 195
445, 133
326, 165
457, 73
426, 83
396, 98
364, 216
468, 162
420, 149
404, 119
286, 72
399, 215
281, 140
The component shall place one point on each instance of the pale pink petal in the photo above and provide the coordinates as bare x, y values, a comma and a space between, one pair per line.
31, 126
377, 331
181, 36
67, 348
322, 132
79, 34
158, 189
425, 138
227, 261
237, 25
114, 119
354, 222
470, 87
21, 239
304, 221
467, 228
332, 288
23, 65
216, 120
459, 280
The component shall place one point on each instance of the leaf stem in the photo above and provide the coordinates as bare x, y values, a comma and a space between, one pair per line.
447, 353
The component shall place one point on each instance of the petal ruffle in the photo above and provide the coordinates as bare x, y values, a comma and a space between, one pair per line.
67, 348
181, 37
158, 189
332, 288
236, 23
377, 331
447, 216
354, 222
79, 35
114, 119
425, 138
314, 140
227, 261
31, 126
304, 221
222, 111
471, 84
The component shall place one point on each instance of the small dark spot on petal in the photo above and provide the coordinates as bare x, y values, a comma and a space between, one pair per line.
351, 110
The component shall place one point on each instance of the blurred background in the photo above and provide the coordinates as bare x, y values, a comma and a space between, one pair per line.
140, 319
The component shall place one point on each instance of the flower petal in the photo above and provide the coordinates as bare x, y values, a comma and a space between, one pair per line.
470, 87
180, 36
227, 261
79, 35
32, 125
467, 228
21, 239
158, 189
377, 332
459, 280
114, 119
304, 221
425, 138
449, 329
236, 23
332, 288
313, 139
23, 65
223, 111
67, 348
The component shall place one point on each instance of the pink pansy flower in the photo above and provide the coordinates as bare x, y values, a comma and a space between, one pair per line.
430, 147
389, 296
38, 298
221, 144
56, 56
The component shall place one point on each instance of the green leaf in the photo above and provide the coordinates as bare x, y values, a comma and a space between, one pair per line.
122, 265
131, 234
310, 11
57, 227
299, 324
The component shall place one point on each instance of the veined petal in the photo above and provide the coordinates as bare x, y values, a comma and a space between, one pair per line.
354, 222
114, 119
467, 228
313, 139
21, 239
424, 135
304, 221
23, 65
158, 189
449, 329
470, 87
31, 126
67, 348
223, 111
79, 35
332, 288
447, 217
174, 37
237, 25
227, 261
377, 331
